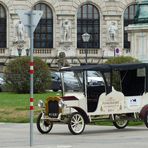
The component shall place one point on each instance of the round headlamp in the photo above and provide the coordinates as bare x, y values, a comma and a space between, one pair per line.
61, 104
40, 104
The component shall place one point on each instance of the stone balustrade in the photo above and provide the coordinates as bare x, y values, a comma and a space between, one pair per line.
2, 51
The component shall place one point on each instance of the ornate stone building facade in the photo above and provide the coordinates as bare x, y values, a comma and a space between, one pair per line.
62, 25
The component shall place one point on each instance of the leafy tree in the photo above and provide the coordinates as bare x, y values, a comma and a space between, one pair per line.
17, 75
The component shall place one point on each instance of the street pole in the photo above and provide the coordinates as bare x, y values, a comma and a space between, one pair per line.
85, 38
86, 53
30, 20
31, 80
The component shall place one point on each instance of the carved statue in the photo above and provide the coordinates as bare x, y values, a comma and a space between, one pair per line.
66, 30
113, 29
62, 60
20, 31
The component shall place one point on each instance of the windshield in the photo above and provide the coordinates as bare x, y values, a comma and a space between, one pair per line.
93, 74
72, 81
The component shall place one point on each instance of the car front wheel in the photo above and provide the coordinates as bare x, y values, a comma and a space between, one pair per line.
76, 123
44, 126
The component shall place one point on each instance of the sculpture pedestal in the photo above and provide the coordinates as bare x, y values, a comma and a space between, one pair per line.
138, 36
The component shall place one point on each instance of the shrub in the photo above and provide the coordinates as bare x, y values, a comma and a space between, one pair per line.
121, 59
17, 75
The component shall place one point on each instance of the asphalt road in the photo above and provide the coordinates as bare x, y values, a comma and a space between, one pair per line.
18, 136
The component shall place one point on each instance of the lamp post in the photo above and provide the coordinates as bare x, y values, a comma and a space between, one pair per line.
27, 52
86, 38
20, 45
19, 51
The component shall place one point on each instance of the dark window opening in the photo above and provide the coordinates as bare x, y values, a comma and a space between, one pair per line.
129, 15
88, 20
43, 35
3, 27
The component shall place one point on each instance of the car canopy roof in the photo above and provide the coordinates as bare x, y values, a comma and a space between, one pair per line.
100, 67
106, 67
128, 66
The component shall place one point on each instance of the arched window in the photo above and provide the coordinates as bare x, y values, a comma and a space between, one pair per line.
129, 14
88, 20
43, 35
3, 26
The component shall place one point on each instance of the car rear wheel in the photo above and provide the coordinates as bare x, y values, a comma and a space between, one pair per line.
44, 126
146, 119
76, 123
120, 123
55, 90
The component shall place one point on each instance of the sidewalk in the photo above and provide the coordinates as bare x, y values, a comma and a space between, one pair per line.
18, 136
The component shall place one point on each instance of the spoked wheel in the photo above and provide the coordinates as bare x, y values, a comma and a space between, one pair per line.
76, 123
146, 119
44, 126
120, 123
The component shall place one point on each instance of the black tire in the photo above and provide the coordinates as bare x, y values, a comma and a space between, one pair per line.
120, 123
55, 90
76, 123
44, 126
146, 119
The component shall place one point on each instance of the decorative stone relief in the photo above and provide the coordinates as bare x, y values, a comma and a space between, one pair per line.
70, 51
20, 31
65, 30
20, 41
112, 31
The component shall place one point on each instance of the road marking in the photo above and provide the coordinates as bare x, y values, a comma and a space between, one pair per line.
64, 146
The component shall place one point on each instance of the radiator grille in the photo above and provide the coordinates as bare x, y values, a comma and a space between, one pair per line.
53, 109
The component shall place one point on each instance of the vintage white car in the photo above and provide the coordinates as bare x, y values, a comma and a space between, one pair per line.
122, 98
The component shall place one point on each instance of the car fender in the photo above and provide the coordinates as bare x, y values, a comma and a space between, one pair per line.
82, 112
143, 112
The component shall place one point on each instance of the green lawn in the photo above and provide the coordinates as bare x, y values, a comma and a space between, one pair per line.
15, 107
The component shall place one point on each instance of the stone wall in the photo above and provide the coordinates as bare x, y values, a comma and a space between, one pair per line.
110, 11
